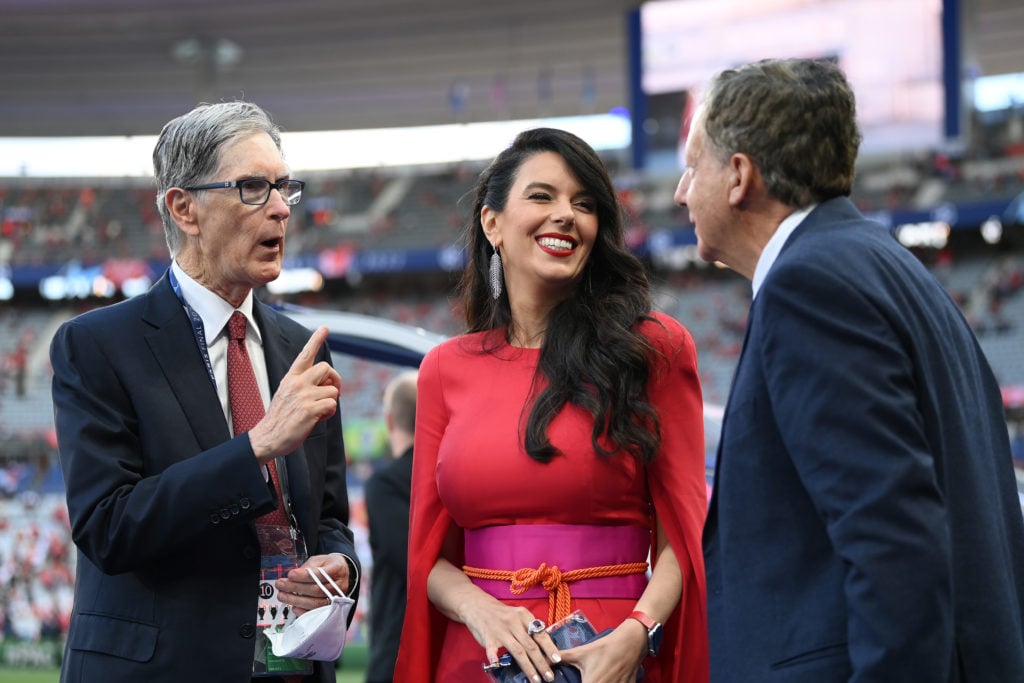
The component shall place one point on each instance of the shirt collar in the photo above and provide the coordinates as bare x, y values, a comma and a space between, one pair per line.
211, 308
774, 247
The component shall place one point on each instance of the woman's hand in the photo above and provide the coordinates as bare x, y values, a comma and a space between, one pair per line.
495, 626
614, 658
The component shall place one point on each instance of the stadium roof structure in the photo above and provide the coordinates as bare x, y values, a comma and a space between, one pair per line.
125, 67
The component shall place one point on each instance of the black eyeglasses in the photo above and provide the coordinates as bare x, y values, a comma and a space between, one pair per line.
256, 191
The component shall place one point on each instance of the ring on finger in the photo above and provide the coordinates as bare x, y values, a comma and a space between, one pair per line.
536, 626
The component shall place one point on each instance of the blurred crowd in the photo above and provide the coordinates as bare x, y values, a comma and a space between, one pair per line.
109, 220
370, 210
36, 552
36, 566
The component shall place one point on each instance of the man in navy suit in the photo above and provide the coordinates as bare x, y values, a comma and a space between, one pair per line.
164, 499
865, 524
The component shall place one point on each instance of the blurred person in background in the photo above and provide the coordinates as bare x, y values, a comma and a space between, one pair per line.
176, 486
559, 445
387, 511
864, 524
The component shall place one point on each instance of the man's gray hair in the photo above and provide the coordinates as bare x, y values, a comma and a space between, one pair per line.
795, 118
188, 150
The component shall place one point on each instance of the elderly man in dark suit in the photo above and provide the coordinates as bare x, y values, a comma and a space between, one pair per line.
198, 431
865, 524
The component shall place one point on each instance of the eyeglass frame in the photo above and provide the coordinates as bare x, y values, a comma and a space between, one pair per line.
238, 184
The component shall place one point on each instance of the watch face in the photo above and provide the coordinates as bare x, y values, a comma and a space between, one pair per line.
654, 640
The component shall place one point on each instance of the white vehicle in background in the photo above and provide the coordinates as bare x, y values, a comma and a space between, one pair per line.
368, 337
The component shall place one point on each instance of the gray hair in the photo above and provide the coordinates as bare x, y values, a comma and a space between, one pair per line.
795, 118
188, 150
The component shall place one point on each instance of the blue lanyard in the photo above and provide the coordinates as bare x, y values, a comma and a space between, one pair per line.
200, 334
197, 326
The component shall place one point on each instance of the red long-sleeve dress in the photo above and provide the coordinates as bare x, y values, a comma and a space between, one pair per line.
470, 470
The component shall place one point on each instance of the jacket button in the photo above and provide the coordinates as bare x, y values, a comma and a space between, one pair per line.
225, 513
247, 631
215, 518
234, 510
244, 502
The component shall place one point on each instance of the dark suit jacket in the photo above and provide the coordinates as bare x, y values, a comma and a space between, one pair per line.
865, 524
387, 510
162, 499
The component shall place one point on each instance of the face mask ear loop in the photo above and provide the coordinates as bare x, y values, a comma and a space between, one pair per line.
319, 583
327, 576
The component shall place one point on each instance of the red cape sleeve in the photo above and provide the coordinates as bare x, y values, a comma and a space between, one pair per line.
679, 491
424, 626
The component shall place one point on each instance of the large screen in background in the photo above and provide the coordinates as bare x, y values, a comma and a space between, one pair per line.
891, 51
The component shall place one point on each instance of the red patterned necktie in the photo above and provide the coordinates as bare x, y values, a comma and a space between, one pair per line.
246, 403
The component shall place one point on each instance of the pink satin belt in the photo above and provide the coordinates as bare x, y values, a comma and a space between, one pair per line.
567, 546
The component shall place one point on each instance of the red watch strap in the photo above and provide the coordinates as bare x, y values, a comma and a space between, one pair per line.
644, 619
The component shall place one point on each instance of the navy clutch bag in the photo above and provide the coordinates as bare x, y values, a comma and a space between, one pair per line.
571, 631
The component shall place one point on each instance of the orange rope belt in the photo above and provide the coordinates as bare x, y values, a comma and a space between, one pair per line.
554, 581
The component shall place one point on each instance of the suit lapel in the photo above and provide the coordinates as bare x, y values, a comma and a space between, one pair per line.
711, 521
279, 352
174, 347
827, 210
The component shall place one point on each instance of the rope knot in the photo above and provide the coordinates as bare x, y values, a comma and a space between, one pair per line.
524, 579
553, 580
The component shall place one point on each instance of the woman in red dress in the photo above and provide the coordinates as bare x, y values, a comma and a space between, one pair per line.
559, 445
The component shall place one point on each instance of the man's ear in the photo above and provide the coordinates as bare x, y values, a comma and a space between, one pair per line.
489, 222
744, 179
182, 207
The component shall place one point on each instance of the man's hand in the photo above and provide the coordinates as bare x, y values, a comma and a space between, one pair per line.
307, 394
300, 591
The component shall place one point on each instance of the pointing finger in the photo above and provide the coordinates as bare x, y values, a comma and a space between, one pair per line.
304, 361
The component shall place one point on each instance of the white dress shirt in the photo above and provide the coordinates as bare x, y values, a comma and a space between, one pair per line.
774, 247
215, 312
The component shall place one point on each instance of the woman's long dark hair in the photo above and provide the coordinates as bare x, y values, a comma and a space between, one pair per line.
592, 355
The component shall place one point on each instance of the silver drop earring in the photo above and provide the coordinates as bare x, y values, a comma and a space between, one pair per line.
495, 274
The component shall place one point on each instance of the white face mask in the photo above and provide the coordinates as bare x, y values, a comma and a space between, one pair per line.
319, 633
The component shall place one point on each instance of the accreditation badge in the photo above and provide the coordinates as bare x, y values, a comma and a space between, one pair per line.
281, 551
